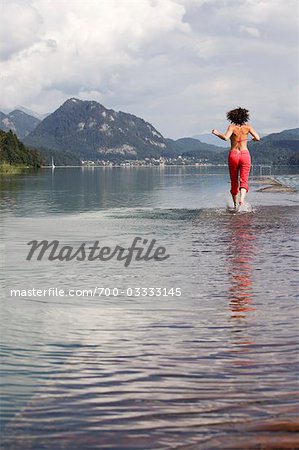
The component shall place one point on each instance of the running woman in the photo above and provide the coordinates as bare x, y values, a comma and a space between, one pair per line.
238, 157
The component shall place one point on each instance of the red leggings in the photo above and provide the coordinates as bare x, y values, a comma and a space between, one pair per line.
239, 160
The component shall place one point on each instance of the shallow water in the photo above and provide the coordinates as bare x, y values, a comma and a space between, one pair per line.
215, 367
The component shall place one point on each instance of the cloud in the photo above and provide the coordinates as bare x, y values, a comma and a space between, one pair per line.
20, 25
252, 31
181, 64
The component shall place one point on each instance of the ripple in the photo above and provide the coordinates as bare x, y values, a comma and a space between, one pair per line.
214, 368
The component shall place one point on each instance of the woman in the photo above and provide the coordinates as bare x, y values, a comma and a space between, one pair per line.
239, 157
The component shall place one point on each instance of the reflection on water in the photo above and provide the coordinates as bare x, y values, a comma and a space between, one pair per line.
240, 262
214, 368
240, 255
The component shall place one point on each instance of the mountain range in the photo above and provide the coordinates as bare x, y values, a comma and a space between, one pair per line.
209, 138
276, 148
19, 122
86, 130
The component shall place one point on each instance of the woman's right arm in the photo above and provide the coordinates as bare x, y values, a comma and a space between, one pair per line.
226, 136
255, 136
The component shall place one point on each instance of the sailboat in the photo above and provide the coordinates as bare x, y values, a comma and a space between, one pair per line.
53, 165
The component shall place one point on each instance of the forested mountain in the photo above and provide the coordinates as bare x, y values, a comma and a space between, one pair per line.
19, 122
209, 138
290, 135
184, 145
13, 151
276, 148
92, 131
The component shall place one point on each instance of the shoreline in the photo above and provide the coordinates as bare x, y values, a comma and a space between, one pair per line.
137, 165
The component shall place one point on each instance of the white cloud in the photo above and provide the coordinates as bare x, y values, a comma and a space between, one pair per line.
250, 30
178, 63
20, 25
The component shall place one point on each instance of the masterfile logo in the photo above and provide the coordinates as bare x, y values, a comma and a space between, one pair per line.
53, 251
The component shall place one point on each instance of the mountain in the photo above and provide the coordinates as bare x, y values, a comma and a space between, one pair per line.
184, 145
292, 134
19, 122
31, 113
92, 131
13, 151
276, 148
209, 138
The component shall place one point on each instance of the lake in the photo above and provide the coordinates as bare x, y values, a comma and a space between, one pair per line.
195, 351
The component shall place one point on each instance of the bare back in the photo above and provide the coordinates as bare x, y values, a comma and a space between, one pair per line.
239, 137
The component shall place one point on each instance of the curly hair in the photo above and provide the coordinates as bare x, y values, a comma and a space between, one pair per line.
238, 116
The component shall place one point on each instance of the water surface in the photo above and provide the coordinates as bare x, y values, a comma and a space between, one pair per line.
215, 367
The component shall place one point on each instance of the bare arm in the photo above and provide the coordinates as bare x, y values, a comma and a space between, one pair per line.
226, 136
255, 136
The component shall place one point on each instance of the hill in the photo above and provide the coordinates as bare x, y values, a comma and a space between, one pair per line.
197, 151
276, 148
91, 131
292, 135
187, 145
19, 122
14, 152
209, 138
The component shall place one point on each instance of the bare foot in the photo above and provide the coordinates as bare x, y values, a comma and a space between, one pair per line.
242, 196
235, 198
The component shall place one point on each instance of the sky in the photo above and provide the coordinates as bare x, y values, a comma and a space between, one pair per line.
179, 64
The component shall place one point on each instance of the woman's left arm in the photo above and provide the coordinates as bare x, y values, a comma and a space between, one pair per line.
226, 136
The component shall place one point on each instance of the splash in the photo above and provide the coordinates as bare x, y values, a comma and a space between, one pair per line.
245, 208
241, 209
